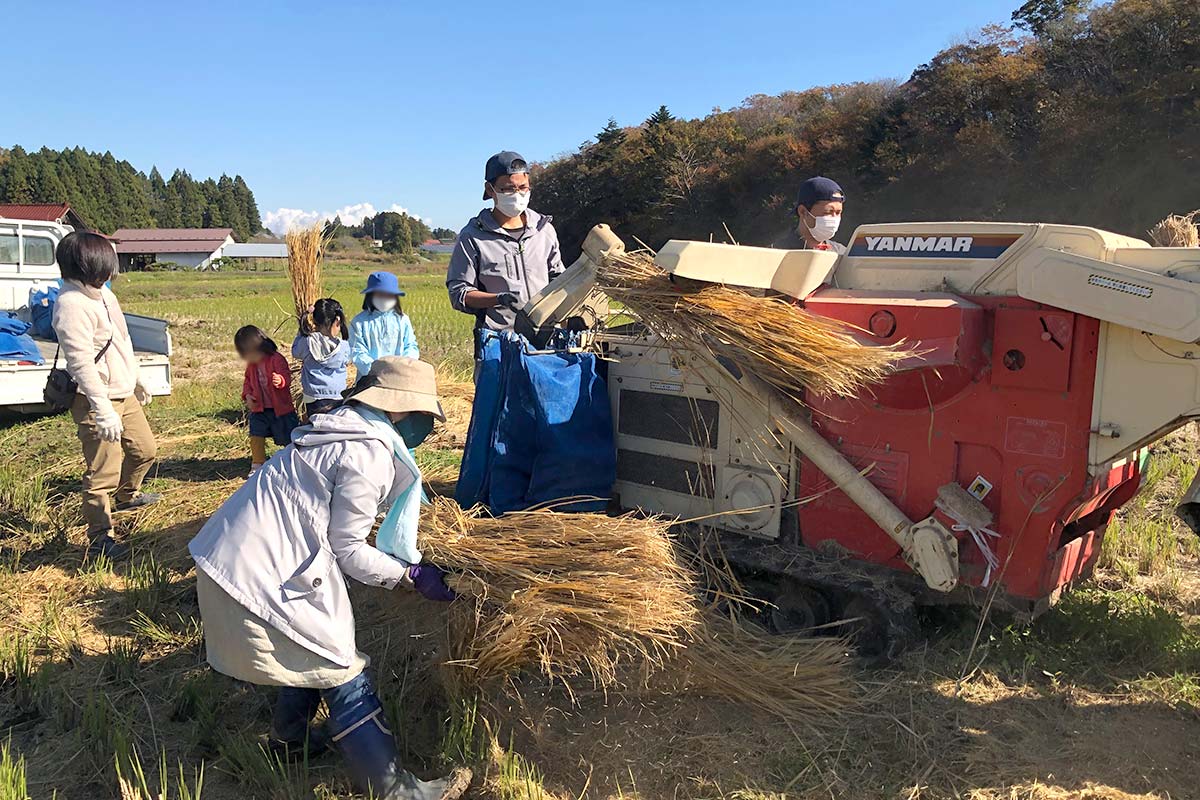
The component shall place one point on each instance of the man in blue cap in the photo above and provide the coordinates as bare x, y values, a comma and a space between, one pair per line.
505, 255
819, 212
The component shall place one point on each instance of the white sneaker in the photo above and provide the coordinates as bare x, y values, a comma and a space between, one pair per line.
253, 469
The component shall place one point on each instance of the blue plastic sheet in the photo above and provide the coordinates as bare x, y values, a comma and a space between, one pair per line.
15, 342
541, 429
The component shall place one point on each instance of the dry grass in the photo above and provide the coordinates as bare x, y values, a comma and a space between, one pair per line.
569, 594
783, 344
1177, 231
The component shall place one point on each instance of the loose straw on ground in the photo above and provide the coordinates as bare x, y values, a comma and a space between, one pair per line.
790, 677
1177, 231
790, 348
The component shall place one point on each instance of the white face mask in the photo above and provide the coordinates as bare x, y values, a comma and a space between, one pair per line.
383, 302
822, 228
511, 205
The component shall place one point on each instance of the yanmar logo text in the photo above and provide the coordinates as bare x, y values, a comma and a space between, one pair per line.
935, 245
920, 244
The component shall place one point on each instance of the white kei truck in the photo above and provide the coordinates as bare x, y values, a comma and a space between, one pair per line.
27, 264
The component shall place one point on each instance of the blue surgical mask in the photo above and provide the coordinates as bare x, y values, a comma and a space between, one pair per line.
414, 428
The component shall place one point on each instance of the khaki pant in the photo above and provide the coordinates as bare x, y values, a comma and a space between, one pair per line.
113, 468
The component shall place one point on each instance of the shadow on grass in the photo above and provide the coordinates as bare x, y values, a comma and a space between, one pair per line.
1100, 639
11, 419
202, 469
234, 416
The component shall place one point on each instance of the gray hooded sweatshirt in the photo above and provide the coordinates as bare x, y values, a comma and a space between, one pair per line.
489, 258
284, 543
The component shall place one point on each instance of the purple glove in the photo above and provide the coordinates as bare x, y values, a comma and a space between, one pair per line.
430, 581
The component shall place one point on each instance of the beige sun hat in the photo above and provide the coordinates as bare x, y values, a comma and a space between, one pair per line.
399, 384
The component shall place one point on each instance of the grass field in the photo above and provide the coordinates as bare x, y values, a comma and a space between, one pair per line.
102, 674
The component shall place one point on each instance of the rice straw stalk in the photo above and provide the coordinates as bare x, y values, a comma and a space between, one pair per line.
793, 678
790, 348
1177, 230
306, 249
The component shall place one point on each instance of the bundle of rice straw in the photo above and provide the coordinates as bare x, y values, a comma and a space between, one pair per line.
1177, 231
790, 348
572, 594
575, 595
306, 248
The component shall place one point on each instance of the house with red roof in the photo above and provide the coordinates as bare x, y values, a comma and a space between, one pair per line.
192, 248
61, 213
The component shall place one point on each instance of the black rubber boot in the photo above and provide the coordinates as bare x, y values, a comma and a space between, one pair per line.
291, 737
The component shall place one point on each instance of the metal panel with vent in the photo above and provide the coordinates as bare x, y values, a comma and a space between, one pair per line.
683, 449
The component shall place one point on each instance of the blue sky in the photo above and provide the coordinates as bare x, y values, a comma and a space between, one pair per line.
323, 106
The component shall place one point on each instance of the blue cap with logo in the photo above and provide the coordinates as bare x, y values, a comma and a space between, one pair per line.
384, 282
816, 189
505, 162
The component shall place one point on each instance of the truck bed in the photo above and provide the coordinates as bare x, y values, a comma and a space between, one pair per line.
21, 384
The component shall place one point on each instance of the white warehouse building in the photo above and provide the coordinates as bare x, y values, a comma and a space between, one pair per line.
193, 248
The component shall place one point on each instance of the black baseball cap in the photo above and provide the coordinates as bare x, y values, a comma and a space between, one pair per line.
505, 162
816, 189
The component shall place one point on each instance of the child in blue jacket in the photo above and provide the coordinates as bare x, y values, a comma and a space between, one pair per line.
323, 355
382, 329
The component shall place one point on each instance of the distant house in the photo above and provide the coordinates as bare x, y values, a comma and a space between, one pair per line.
256, 250
188, 247
436, 246
61, 213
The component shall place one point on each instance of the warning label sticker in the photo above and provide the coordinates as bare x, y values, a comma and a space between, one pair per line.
1036, 437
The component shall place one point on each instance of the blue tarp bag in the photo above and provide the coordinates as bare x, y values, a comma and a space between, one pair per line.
15, 342
541, 429
41, 312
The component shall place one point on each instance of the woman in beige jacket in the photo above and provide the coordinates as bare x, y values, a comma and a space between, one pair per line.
118, 444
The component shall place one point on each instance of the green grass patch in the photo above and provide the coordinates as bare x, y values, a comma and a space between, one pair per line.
1102, 637
134, 784
12, 774
207, 308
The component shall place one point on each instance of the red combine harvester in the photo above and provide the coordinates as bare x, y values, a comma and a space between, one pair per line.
1051, 356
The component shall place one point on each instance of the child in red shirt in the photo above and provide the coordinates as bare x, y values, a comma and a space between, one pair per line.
266, 393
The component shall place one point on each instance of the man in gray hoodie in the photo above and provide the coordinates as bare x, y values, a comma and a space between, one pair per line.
505, 255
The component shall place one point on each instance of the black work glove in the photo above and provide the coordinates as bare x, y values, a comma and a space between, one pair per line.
508, 300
